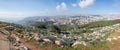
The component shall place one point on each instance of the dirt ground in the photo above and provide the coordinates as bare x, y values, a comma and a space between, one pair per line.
116, 43
4, 43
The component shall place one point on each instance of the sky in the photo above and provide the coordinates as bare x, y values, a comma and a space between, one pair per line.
25, 8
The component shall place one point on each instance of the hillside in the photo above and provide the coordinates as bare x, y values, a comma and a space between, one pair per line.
42, 36
4, 43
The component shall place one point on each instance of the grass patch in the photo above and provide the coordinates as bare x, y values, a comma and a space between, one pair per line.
103, 46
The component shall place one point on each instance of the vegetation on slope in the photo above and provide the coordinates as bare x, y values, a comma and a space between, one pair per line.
100, 24
43, 28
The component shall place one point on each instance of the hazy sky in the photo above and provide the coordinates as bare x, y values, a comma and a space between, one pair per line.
24, 8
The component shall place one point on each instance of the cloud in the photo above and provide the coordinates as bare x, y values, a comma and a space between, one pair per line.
62, 6
85, 3
74, 5
58, 7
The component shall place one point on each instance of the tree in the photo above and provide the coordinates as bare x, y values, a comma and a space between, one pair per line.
55, 29
40, 25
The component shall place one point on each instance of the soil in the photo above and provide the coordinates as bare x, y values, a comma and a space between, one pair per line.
116, 43
4, 43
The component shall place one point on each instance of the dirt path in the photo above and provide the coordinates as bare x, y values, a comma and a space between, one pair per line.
29, 44
4, 43
116, 43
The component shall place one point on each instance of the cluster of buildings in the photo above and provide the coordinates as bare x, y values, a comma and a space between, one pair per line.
72, 20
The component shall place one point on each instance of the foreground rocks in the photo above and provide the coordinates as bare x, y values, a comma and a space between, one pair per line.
17, 44
63, 39
9, 40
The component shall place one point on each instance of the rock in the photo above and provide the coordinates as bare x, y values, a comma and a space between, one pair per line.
23, 47
118, 36
30, 38
57, 42
47, 40
36, 37
109, 39
19, 30
77, 43
17, 44
114, 38
11, 28
50, 38
62, 43
17, 39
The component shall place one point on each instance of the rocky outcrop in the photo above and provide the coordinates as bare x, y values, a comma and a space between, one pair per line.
10, 28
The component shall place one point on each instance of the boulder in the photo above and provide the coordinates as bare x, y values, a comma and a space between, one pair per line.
109, 39
78, 43
10, 28
57, 42
62, 43
50, 38
22, 47
36, 36
46, 40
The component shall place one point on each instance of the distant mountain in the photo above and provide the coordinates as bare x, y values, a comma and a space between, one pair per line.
33, 19
11, 19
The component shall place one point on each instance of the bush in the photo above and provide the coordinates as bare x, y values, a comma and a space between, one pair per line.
86, 31
100, 24
55, 29
3, 25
